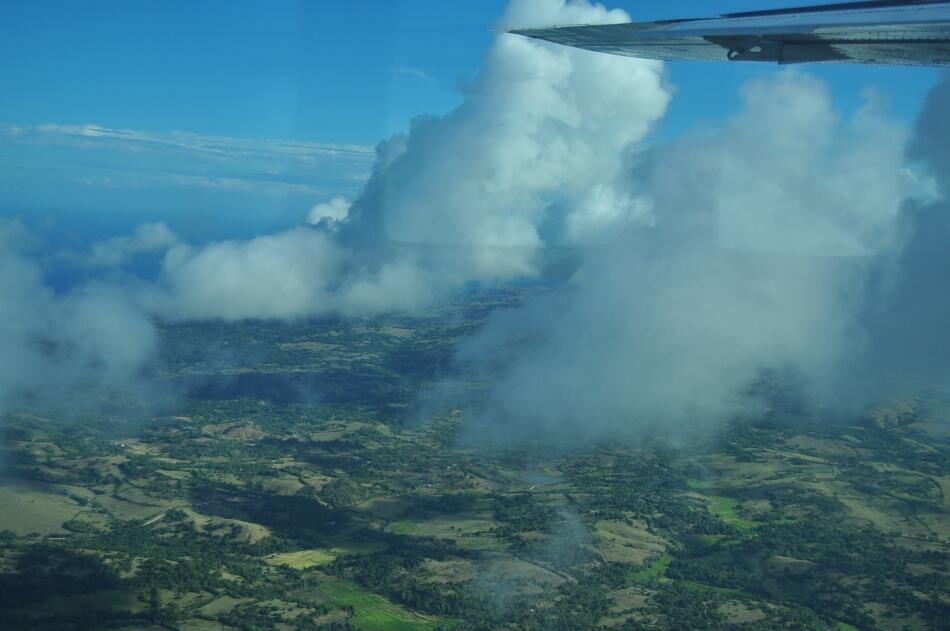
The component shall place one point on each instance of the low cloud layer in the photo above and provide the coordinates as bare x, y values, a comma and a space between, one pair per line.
56, 347
284, 275
118, 251
773, 240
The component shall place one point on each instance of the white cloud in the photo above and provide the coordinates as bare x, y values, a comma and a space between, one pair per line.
407, 71
541, 128
209, 147
792, 178
537, 13
117, 251
400, 285
461, 199
92, 340
674, 322
334, 210
137, 158
284, 275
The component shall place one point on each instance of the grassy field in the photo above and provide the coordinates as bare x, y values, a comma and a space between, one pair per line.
465, 530
700, 485
520, 575
622, 543
224, 508
404, 527
123, 509
375, 613
220, 606
30, 508
316, 557
655, 570
702, 587
303, 559
725, 509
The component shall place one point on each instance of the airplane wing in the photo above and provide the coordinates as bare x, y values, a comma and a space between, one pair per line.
912, 32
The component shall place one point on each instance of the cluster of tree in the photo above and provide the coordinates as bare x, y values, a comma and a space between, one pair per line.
522, 512
846, 567
253, 618
182, 575
341, 492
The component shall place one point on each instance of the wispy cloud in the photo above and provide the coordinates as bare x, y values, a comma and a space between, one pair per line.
135, 179
407, 71
210, 147
137, 158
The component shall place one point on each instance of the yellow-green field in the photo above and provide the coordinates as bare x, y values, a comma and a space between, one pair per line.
621, 543
375, 613
725, 509
316, 557
303, 559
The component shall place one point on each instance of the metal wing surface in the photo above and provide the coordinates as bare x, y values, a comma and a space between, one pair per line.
913, 32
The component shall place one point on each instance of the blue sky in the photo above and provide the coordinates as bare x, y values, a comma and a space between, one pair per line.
325, 74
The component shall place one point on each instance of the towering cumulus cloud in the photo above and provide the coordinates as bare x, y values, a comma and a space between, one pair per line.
533, 155
536, 149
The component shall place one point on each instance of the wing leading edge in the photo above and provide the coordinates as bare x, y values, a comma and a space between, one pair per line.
914, 32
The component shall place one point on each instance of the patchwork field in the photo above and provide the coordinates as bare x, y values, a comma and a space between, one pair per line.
375, 613
260, 506
725, 509
464, 530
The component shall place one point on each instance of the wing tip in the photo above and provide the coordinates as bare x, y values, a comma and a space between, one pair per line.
522, 30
